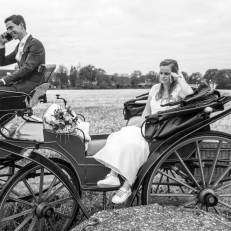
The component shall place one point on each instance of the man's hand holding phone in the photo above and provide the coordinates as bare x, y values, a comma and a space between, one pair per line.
4, 38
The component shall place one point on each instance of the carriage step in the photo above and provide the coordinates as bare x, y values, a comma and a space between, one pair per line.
98, 189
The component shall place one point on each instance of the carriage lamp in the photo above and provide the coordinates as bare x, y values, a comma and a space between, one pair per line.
65, 102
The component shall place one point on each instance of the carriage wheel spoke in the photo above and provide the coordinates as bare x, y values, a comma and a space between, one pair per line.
188, 186
50, 188
24, 222
60, 201
157, 188
221, 176
39, 224
51, 225
187, 170
200, 164
224, 195
41, 184
17, 215
223, 186
216, 210
55, 192
32, 223
211, 172
173, 195
16, 193
62, 214
20, 201
182, 190
187, 203
30, 189
225, 204
168, 182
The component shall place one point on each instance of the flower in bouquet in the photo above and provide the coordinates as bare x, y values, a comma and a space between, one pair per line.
64, 120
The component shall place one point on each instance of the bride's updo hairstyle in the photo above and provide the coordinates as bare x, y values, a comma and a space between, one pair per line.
174, 68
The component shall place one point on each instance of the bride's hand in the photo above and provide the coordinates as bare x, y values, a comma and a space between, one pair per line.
174, 77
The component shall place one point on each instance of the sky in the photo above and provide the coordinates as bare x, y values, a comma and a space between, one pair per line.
121, 36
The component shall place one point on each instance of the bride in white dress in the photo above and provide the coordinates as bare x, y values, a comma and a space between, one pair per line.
126, 150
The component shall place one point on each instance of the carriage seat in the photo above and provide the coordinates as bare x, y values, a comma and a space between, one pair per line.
39, 93
98, 141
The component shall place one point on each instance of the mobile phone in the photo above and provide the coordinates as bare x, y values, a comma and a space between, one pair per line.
8, 37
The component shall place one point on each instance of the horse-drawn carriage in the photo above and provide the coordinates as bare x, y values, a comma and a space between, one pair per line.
190, 168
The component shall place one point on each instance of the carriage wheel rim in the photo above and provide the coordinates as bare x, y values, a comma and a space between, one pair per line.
208, 196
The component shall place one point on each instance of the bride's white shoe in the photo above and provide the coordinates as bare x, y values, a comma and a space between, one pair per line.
121, 195
109, 181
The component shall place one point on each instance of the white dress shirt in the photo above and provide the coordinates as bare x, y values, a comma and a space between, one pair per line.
21, 47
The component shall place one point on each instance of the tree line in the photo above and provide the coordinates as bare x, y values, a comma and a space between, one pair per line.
91, 77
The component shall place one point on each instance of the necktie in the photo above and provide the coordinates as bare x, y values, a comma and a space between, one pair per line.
20, 51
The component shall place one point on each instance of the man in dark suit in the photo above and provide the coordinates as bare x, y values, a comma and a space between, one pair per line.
28, 54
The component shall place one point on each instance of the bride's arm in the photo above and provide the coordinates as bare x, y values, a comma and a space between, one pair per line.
146, 112
185, 88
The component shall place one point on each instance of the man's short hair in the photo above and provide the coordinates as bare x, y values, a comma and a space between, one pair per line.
16, 19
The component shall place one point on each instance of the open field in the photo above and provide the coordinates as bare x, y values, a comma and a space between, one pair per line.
102, 108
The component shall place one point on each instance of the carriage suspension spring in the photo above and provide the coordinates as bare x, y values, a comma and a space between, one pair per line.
179, 172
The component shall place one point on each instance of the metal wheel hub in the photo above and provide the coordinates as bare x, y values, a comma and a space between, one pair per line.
207, 197
44, 210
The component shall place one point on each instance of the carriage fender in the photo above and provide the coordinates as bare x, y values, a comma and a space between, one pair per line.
33, 156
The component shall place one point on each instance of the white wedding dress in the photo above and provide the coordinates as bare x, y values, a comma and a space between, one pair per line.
126, 150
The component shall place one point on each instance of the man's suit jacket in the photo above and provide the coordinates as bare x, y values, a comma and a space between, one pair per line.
27, 77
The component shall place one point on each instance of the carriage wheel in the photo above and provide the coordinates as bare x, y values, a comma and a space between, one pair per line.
35, 199
8, 168
202, 181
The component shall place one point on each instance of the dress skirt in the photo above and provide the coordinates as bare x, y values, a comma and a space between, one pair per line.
125, 152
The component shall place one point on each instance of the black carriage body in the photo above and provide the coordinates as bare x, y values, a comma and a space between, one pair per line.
69, 147
169, 153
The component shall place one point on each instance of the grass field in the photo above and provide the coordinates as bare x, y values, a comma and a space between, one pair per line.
103, 109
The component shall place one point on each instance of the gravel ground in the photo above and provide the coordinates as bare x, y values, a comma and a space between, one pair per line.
154, 217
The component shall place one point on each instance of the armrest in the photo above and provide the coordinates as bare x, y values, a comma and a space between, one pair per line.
47, 70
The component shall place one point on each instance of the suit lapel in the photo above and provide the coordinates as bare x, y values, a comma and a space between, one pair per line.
25, 50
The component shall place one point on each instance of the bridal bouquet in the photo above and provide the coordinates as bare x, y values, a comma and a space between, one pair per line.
65, 120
